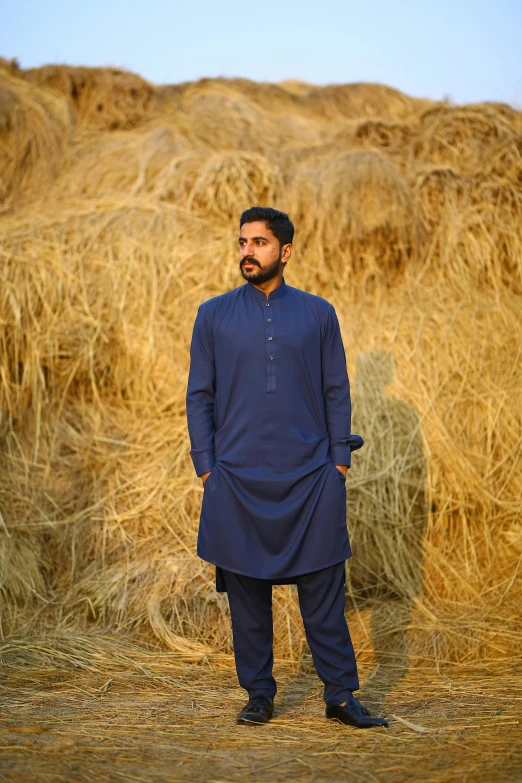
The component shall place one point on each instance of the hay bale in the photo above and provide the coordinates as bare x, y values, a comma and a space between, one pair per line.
381, 134
355, 210
273, 97
509, 115
285, 121
122, 163
221, 185
166, 592
503, 164
35, 126
219, 114
474, 223
438, 189
222, 119
102, 97
460, 137
357, 100
482, 237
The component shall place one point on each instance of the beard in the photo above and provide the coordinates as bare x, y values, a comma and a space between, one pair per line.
259, 275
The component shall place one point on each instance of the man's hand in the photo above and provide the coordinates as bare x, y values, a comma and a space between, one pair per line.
204, 476
342, 468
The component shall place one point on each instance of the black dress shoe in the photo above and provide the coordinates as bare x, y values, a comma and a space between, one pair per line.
258, 710
354, 714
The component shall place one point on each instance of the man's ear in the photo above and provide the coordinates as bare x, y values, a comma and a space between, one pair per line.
287, 252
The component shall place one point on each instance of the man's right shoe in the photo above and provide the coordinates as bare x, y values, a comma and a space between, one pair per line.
259, 710
354, 714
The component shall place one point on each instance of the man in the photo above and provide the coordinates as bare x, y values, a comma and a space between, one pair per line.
268, 408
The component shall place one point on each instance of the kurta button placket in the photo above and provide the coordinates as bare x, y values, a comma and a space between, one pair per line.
270, 365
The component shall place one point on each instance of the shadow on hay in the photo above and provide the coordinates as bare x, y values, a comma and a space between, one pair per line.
387, 511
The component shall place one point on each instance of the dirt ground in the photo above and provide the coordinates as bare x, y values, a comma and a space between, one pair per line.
176, 723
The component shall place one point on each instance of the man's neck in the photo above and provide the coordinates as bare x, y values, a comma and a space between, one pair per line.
270, 285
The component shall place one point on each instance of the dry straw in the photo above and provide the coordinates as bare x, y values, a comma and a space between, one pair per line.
34, 129
356, 215
91, 707
408, 220
355, 101
223, 120
216, 186
103, 97
123, 162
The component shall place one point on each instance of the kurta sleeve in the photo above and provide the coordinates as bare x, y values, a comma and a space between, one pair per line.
201, 392
336, 392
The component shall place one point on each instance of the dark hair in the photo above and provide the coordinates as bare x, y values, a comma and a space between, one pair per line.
278, 222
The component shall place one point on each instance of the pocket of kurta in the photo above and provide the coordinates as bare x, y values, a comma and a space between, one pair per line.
341, 475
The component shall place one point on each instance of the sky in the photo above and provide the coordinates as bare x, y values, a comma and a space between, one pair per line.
457, 49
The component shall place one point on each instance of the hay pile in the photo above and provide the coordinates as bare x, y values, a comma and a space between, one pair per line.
35, 127
119, 221
104, 98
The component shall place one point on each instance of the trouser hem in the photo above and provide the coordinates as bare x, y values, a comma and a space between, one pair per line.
255, 692
341, 698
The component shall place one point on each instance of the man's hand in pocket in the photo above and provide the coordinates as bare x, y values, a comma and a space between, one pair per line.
204, 476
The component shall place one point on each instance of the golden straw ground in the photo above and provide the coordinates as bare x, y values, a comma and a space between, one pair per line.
126, 714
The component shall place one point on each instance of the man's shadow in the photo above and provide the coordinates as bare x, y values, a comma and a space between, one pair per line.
387, 519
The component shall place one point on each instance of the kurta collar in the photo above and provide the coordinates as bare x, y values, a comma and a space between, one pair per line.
279, 291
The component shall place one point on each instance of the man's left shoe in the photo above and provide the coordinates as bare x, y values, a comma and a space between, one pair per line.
259, 710
354, 714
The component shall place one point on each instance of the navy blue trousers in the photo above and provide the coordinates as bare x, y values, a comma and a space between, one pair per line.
322, 602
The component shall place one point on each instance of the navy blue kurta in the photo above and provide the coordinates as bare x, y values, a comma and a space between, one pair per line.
269, 413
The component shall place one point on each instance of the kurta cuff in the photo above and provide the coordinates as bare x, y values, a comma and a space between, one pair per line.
341, 455
203, 461
355, 442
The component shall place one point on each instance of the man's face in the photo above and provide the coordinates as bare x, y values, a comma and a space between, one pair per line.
260, 256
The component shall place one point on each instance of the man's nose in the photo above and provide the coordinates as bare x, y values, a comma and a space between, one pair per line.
246, 250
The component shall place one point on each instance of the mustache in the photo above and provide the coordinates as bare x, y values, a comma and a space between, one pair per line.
250, 260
